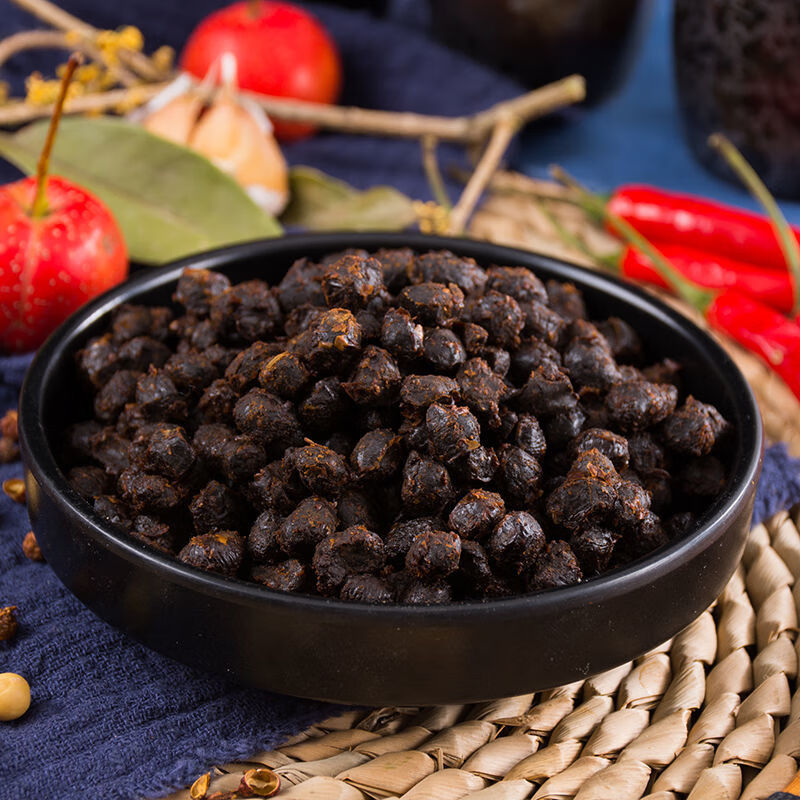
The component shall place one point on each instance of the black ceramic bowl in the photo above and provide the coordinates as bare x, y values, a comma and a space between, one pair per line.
386, 655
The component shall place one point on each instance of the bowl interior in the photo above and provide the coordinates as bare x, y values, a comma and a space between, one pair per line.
707, 369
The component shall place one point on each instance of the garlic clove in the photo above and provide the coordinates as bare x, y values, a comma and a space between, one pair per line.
176, 119
233, 139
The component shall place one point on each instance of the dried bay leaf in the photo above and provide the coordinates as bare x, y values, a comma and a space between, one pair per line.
169, 201
321, 203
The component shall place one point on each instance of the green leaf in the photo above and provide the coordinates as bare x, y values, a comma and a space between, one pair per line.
169, 201
322, 203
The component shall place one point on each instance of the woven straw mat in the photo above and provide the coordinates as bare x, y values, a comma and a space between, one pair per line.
713, 714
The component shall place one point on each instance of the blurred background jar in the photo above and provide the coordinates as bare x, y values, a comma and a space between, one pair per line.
538, 41
737, 67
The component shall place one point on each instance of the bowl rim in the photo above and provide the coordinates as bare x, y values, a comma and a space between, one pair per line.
42, 463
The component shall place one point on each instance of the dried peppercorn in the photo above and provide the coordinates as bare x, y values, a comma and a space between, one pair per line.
352, 424
693, 428
528, 435
8, 623
353, 551
442, 266
520, 474
476, 513
481, 388
400, 335
215, 507
166, 450
115, 394
443, 350
396, 265
324, 405
420, 391
144, 491
284, 375
593, 547
378, 455
588, 357
433, 304
499, 314
542, 322
557, 566
433, 554
198, 287
352, 281
158, 398
547, 391
517, 282
153, 532
321, 470
516, 541
640, 404
88, 481
287, 576
221, 552
332, 338
426, 484
365, 589
376, 379
268, 419
111, 450
309, 523
610, 444
191, 371
30, 547
453, 431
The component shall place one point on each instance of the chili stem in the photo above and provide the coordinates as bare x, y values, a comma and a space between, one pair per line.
573, 241
695, 296
749, 177
39, 207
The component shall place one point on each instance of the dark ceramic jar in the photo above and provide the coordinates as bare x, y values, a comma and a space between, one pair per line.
538, 41
737, 65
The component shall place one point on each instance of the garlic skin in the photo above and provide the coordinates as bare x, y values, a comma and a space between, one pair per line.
232, 132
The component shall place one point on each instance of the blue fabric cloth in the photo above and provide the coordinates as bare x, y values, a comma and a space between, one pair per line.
112, 719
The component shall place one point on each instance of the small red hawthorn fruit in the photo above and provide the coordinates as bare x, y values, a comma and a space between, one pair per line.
280, 49
59, 247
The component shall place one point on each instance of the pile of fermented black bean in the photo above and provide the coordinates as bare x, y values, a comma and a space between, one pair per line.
388, 428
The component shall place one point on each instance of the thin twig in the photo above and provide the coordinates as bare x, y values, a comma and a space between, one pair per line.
340, 118
13, 114
58, 18
502, 134
58, 40
430, 164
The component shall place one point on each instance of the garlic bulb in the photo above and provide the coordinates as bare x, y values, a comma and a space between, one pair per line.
231, 131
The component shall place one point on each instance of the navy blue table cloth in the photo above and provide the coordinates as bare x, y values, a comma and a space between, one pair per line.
111, 719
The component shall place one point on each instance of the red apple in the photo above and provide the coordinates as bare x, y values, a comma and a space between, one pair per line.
280, 50
50, 265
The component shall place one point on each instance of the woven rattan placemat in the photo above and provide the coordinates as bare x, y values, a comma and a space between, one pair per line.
713, 714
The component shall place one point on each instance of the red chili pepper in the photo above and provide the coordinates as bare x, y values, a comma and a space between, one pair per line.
770, 286
699, 224
760, 329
